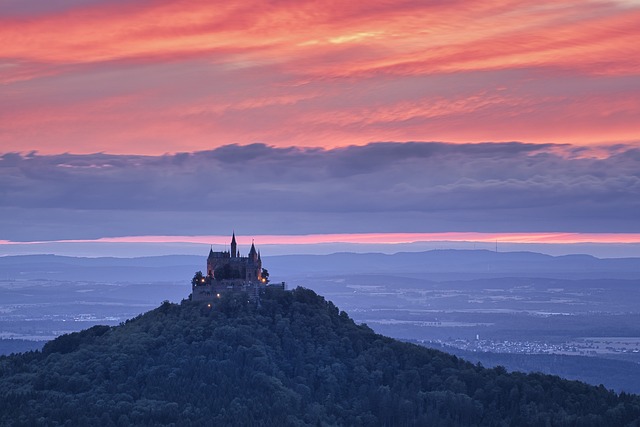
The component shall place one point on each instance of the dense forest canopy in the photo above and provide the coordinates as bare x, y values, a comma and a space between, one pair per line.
293, 359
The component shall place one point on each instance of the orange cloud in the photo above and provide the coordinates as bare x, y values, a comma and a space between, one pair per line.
153, 77
373, 238
404, 37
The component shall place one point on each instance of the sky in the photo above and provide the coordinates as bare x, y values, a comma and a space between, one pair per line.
319, 122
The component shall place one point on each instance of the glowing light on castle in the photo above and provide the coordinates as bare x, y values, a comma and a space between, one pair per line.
228, 271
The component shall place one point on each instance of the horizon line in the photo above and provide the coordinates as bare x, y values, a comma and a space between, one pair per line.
363, 238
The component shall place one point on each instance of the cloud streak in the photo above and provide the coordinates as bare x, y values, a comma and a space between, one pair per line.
367, 238
154, 77
377, 188
269, 112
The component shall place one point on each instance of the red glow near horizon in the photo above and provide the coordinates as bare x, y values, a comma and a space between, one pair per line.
369, 238
157, 77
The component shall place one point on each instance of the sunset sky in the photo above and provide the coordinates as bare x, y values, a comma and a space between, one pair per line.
142, 120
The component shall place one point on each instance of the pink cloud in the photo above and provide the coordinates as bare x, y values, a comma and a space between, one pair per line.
162, 76
372, 238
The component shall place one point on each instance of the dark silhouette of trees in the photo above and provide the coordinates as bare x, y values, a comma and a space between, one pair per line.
294, 359
198, 279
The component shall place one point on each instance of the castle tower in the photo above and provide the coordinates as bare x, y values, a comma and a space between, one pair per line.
228, 271
234, 246
253, 254
210, 262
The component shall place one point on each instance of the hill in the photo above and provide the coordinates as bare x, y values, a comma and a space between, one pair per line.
55, 267
459, 264
294, 360
447, 264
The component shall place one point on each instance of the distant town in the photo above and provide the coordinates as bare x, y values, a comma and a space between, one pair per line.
584, 347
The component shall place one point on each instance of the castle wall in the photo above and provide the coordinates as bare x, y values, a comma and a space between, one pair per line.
228, 272
232, 268
209, 292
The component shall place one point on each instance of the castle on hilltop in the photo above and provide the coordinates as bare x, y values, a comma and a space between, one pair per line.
229, 265
227, 271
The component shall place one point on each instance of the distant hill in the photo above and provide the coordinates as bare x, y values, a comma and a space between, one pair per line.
55, 267
294, 360
452, 263
437, 264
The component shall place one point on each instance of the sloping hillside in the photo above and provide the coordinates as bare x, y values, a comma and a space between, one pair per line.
294, 360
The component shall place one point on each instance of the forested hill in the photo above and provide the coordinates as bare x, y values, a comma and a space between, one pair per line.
294, 360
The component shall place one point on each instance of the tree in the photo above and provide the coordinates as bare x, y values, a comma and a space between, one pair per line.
198, 279
294, 359
265, 275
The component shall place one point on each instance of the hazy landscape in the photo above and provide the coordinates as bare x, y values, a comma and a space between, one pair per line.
575, 316
422, 177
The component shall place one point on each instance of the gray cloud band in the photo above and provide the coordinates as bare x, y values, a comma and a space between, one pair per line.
376, 187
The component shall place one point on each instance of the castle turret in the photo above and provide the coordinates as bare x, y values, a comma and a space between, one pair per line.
228, 271
210, 262
234, 246
253, 254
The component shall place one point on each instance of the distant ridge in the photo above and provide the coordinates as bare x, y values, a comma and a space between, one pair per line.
147, 261
479, 262
476, 263
56, 267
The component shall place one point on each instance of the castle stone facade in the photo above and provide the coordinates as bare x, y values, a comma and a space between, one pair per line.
229, 265
227, 271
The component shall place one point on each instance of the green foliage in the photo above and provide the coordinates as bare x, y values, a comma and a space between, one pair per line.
294, 359
69, 342
198, 279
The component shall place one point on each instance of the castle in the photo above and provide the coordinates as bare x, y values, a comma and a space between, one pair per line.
229, 265
227, 271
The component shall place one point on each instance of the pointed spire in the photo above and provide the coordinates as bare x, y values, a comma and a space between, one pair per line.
211, 251
234, 245
253, 254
